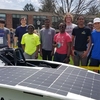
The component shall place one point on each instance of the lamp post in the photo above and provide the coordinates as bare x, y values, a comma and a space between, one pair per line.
38, 24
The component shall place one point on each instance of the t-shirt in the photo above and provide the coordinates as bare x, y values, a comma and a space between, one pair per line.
96, 45
62, 40
46, 38
31, 42
81, 38
69, 28
20, 31
3, 37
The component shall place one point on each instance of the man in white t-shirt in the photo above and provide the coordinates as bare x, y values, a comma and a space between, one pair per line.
69, 26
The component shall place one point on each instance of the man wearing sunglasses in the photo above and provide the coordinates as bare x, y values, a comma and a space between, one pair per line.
62, 42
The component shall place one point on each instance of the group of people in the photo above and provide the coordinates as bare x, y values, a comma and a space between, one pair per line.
72, 41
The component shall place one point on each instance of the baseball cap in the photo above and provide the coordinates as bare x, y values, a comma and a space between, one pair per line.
96, 20
90, 23
2, 21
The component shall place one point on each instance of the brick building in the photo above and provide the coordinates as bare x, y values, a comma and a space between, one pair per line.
12, 18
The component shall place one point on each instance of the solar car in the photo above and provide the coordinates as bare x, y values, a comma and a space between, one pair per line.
25, 79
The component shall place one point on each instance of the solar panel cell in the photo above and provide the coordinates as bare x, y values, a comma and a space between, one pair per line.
60, 81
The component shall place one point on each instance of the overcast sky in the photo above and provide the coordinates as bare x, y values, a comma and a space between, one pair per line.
17, 4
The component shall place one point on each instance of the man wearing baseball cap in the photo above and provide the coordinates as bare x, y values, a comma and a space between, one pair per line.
95, 56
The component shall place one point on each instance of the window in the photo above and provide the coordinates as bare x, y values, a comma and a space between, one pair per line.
38, 21
3, 16
16, 20
56, 20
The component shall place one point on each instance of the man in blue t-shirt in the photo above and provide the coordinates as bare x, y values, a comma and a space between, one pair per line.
20, 31
4, 35
95, 56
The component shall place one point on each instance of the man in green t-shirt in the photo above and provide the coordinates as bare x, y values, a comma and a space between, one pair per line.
30, 43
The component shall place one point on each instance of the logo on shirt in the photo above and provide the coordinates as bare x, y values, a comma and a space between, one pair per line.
83, 32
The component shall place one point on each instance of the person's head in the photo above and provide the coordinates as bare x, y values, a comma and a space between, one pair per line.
23, 21
80, 20
90, 25
96, 23
68, 18
35, 31
30, 29
47, 23
62, 27
2, 23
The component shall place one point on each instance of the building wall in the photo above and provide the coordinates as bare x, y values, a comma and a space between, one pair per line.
9, 20
30, 19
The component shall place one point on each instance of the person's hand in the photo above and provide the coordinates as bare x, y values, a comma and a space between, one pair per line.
41, 53
55, 45
84, 54
73, 52
52, 53
66, 60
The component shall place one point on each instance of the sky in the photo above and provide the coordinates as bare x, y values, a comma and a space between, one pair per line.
17, 4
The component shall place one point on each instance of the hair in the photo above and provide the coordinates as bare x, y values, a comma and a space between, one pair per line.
2, 21
68, 14
30, 25
47, 19
80, 16
63, 23
23, 17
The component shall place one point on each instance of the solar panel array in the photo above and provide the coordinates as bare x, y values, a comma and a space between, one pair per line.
60, 81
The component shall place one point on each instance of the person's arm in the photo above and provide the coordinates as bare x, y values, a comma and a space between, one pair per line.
37, 46
16, 38
40, 43
73, 40
8, 38
89, 44
69, 49
72, 44
15, 41
23, 42
53, 48
68, 45
54, 44
67, 59
88, 47
37, 50
23, 46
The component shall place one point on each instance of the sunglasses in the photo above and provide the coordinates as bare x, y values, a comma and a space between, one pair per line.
62, 26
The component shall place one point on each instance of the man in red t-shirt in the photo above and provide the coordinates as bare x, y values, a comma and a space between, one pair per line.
62, 42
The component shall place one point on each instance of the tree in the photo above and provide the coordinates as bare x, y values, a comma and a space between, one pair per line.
93, 10
47, 6
29, 7
60, 7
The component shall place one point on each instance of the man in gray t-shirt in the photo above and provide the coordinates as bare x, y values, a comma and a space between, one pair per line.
4, 35
46, 38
